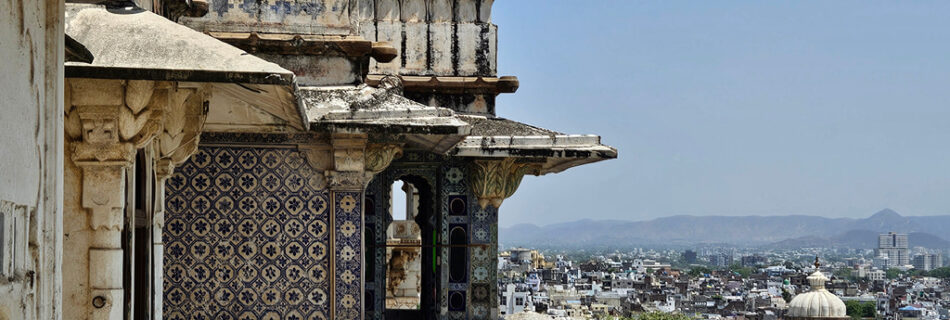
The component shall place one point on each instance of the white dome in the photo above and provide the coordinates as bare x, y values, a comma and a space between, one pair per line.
817, 303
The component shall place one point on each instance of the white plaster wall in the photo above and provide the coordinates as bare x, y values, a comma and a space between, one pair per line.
31, 95
20, 159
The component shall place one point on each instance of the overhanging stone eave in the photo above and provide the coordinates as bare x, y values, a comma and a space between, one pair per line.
128, 42
438, 138
556, 153
85, 70
383, 111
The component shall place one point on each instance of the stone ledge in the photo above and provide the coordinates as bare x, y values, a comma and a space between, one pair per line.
297, 44
439, 84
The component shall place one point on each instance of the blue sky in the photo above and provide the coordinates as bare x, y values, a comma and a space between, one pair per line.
833, 108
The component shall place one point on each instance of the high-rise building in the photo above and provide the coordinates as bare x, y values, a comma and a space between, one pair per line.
689, 256
895, 247
928, 261
754, 260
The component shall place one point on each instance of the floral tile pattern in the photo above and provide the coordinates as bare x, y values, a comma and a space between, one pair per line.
349, 255
246, 237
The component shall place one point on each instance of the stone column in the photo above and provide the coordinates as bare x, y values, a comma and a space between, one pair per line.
492, 181
178, 140
349, 164
106, 122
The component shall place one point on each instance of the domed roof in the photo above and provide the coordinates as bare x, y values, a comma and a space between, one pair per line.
817, 303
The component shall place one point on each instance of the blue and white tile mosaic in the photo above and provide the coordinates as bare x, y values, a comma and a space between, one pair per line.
349, 254
246, 237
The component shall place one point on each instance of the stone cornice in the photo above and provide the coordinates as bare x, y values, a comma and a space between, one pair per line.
452, 85
304, 44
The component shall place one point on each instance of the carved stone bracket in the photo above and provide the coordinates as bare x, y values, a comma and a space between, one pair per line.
493, 181
108, 120
378, 156
348, 162
185, 115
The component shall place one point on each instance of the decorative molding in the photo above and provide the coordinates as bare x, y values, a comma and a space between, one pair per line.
493, 181
452, 84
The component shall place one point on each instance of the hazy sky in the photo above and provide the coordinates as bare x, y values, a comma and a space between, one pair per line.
835, 108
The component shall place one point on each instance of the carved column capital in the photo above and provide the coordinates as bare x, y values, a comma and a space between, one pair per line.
493, 181
348, 162
106, 121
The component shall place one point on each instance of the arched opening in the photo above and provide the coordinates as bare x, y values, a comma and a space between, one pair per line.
409, 265
403, 268
404, 249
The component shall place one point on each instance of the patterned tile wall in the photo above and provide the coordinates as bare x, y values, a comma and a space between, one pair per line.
247, 236
348, 242
455, 188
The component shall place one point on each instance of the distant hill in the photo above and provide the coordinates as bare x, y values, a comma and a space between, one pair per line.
859, 239
773, 231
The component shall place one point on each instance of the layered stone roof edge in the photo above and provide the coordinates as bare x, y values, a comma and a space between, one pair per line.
128, 42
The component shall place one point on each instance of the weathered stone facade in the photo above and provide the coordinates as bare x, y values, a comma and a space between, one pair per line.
233, 159
31, 160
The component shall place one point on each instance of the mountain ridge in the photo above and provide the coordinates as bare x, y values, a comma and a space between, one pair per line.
748, 230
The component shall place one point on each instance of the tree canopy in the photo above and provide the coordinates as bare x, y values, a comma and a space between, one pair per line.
858, 309
943, 273
893, 273
697, 271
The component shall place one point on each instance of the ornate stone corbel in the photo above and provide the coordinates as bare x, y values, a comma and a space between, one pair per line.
378, 156
348, 163
107, 120
320, 159
185, 113
493, 181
